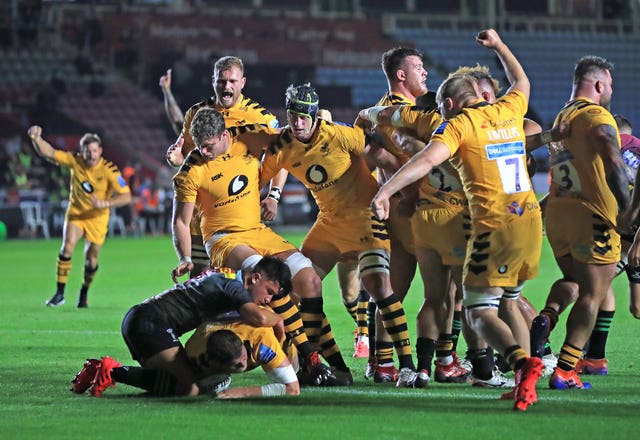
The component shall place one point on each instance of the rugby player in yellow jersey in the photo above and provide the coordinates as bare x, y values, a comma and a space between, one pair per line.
152, 330
486, 144
406, 79
228, 80
327, 158
220, 179
260, 347
96, 187
588, 188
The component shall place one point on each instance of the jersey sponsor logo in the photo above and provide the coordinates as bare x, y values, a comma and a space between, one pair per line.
87, 187
594, 111
265, 354
121, 182
502, 150
238, 184
316, 174
216, 177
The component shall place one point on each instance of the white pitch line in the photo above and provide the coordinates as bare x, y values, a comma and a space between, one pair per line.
54, 332
560, 396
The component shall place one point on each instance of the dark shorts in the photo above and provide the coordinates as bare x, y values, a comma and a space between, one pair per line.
146, 333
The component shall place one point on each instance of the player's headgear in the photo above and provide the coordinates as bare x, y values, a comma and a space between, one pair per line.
303, 100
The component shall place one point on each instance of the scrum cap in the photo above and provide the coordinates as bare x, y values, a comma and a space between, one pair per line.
302, 100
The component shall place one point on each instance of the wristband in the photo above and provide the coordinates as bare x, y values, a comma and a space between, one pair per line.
371, 113
185, 259
275, 193
545, 137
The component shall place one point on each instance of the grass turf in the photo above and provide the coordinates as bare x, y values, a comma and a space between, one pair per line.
42, 348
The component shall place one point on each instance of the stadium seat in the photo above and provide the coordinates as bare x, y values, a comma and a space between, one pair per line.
33, 218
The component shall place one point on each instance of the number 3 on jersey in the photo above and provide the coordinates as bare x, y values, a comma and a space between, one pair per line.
563, 173
510, 159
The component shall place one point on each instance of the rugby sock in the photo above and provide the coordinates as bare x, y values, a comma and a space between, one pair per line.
515, 356
384, 353
352, 309
482, 362
157, 382
63, 267
598, 339
444, 349
569, 356
456, 328
328, 347
371, 327
89, 275
552, 315
293, 326
395, 322
425, 348
361, 313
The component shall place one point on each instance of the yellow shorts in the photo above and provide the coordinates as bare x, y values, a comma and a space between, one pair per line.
95, 228
347, 236
263, 240
503, 257
443, 230
400, 226
573, 229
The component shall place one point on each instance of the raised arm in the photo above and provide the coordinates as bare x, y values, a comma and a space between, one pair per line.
42, 147
515, 73
171, 107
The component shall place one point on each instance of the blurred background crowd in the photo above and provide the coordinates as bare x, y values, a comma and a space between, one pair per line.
93, 66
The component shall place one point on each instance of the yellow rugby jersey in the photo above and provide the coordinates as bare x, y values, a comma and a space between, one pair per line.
393, 98
246, 111
487, 143
331, 166
576, 167
101, 180
441, 186
224, 190
263, 348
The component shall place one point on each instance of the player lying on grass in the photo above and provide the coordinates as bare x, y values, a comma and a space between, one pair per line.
152, 328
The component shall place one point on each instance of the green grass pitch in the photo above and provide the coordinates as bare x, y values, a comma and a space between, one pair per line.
42, 348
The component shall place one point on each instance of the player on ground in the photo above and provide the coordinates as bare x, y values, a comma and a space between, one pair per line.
152, 329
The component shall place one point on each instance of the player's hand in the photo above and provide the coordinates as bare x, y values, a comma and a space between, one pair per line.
560, 131
34, 132
625, 221
488, 38
165, 80
180, 270
174, 153
380, 206
268, 209
325, 114
633, 256
99, 203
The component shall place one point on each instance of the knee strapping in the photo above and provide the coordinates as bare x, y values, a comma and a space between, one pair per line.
373, 261
296, 262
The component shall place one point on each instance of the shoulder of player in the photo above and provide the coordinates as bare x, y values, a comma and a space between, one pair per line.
193, 160
254, 105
